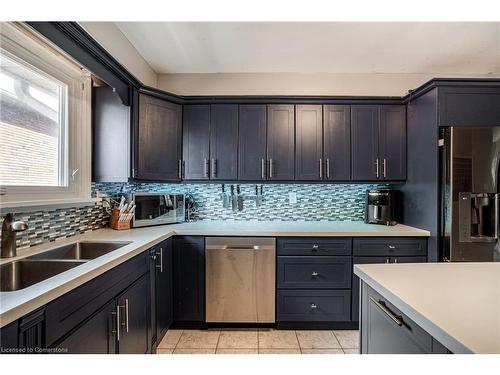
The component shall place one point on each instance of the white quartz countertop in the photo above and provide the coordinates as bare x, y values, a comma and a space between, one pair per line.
15, 304
457, 303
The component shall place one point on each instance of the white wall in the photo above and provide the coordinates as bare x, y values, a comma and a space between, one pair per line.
113, 40
296, 83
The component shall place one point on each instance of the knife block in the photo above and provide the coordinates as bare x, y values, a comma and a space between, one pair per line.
115, 223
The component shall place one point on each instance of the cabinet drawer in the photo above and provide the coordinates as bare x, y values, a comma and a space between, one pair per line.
69, 310
314, 246
388, 331
313, 305
392, 246
314, 272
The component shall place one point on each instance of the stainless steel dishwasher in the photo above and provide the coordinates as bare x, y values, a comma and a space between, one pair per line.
240, 279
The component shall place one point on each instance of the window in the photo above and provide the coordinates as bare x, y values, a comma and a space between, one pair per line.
44, 122
33, 126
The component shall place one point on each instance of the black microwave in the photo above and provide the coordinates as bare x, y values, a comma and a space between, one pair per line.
157, 208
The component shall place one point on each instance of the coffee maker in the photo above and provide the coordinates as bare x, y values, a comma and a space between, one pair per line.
381, 207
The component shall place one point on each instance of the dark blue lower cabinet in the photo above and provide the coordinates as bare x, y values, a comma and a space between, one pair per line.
161, 290
95, 336
32, 331
134, 312
189, 278
9, 338
314, 272
313, 305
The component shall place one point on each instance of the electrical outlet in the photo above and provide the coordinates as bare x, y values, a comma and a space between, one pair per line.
292, 198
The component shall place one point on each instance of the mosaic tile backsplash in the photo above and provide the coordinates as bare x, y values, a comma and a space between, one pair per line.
315, 202
47, 226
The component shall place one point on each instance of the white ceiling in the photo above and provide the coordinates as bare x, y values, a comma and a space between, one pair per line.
361, 47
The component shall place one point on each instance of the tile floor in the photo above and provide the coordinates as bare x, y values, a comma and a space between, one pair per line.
258, 341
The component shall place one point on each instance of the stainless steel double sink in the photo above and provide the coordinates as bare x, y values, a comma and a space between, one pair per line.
31, 270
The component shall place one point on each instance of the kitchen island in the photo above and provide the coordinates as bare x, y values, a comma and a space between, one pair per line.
430, 308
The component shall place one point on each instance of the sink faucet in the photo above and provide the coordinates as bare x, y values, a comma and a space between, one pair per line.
9, 230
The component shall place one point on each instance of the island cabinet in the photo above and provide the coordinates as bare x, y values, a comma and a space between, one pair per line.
189, 279
386, 330
313, 280
161, 290
158, 143
378, 139
372, 250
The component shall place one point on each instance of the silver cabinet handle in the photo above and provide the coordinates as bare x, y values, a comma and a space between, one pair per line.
214, 167
117, 314
271, 168
395, 260
205, 168
314, 274
392, 247
126, 314
377, 168
384, 168
160, 266
320, 168
263, 169
315, 247
387, 260
179, 171
382, 306
328, 168
313, 306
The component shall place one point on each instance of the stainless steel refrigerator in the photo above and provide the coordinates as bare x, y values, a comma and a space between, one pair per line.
469, 170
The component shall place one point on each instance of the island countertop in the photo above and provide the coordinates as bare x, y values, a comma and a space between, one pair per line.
15, 304
456, 303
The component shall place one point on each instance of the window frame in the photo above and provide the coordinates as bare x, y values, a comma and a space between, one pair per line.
31, 49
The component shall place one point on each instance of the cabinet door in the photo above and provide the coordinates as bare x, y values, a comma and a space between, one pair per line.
252, 142
393, 142
365, 143
196, 132
9, 336
189, 278
280, 142
337, 142
224, 142
164, 308
134, 305
385, 330
355, 282
110, 131
96, 336
309, 143
159, 146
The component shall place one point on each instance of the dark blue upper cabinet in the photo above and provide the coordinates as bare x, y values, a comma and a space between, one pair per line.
364, 140
393, 142
196, 146
280, 142
337, 142
158, 144
252, 142
224, 142
309, 145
